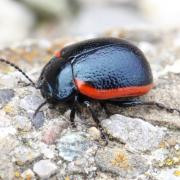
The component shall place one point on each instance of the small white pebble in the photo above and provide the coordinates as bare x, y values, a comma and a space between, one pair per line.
94, 133
44, 168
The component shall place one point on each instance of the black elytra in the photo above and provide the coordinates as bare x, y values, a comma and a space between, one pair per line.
104, 64
108, 70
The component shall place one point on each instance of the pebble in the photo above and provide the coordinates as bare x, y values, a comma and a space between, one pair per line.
28, 174
73, 145
22, 123
47, 151
24, 155
30, 102
44, 168
53, 130
5, 96
137, 134
120, 162
38, 120
94, 133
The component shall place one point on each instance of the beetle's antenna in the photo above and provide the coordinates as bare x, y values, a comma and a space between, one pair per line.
19, 69
38, 108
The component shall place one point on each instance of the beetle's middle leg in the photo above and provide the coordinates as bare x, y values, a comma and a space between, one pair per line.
98, 123
75, 107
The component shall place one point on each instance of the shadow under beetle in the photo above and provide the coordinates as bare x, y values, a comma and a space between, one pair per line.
109, 70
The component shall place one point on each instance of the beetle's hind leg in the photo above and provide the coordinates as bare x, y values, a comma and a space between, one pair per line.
98, 123
136, 102
104, 106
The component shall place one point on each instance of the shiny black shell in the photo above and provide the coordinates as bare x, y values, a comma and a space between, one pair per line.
103, 63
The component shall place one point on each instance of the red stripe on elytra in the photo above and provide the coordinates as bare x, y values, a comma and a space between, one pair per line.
104, 94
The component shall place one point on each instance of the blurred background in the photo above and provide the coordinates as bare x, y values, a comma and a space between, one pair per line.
51, 19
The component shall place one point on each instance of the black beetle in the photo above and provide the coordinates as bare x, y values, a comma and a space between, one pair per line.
109, 70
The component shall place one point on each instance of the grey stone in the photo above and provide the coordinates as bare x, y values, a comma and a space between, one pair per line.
120, 162
30, 103
44, 168
5, 96
38, 120
137, 134
24, 155
22, 123
73, 145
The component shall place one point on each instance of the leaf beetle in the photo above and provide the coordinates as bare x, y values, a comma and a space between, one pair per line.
108, 70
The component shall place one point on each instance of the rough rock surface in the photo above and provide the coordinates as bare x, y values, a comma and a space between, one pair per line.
143, 141
118, 161
133, 132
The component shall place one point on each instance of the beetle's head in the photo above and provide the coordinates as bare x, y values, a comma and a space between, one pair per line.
47, 80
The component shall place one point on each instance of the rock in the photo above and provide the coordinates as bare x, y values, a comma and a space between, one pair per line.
120, 162
24, 155
73, 145
22, 123
38, 120
5, 96
44, 168
30, 103
137, 134
95, 134
47, 151
28, 174
6, 168
53, 130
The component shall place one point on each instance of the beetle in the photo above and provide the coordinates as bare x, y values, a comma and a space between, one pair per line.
107, 70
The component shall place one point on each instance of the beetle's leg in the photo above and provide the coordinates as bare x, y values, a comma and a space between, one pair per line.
75, 107
104, 106
72, 116
98, 123
136, 102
